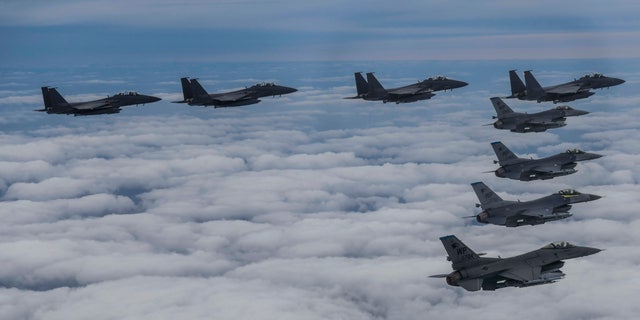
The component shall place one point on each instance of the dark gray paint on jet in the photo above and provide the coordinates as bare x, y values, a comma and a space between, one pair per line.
533, 122
195, 95
54, 103
518, 213
537, 267
561, 164
576, 89
372, 90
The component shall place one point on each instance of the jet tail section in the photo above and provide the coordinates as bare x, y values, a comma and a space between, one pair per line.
186, 89
485, 194
505, 156
501, 107
459, 254
375, 89
517, 87
199, 95
362, 86
53, 100
534, 89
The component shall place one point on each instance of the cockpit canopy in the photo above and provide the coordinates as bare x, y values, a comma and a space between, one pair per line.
265, 84
128, 93
558, 245
593, 75
563, 108
437, 78
568, 192
574, 151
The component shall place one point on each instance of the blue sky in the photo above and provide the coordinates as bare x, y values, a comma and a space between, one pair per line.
306, 206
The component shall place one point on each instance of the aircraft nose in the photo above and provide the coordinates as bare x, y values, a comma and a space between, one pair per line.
289, 90
617, 81
592, 197
154, 99
579, 112
460, 84
589, 251
591, 156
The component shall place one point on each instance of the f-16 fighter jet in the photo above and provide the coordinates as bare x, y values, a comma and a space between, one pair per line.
531, 122
195, 95
576, 89
55, 103
372, 90
518, 213
537, 267
523, 169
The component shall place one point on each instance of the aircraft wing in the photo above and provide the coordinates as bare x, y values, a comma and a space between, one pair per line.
233, 96
522, 272
565, 88
408, 90
94, 105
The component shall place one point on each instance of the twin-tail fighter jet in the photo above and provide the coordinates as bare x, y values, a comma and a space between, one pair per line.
518, 213
195, 95
561, 164
372, 90
531, 122
473, 272
56, 104
576, 89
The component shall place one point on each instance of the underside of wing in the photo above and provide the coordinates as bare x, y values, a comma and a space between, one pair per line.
564, 89
522, 273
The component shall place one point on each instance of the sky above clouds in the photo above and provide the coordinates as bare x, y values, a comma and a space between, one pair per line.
305, 206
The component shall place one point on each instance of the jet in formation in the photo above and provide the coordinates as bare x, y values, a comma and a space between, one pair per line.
576, 89
56, 104
518, 213
473, 272
522, 169
531, 122
195, 95
372, 90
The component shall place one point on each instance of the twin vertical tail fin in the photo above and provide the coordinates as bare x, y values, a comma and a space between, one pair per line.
503, 153
534, 89
518, 88
186, 89
501, 107
485, 195
362, 86
53, 101
374, 87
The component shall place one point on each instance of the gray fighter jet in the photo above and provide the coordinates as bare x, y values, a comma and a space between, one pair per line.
522, 169
534, 122
195, 95
537, 267
56, 104
372, 90
518, 213
576, 89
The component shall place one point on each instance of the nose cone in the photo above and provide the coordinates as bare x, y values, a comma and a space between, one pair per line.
287, 90
458, 84
592, 197
587, 251
616, 81
588, 156
576, 112
153, 99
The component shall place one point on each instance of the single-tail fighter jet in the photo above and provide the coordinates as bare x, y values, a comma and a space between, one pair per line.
473, 272
372, 90
195, 95
56, 104
561, 164
518, 213
576, 89
531, 122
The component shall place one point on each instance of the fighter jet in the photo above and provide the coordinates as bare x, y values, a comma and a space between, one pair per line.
56, 104
518, 213
534, 122
195, 95
537, 267
576, 89
372, 90
522, 169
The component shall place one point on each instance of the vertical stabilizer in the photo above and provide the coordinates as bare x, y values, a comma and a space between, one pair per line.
375, 88
503, 153
186, 89
501, 107
54, 102
459, 254
534, 89
197, 91
517, 87
485, 195
362, 86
